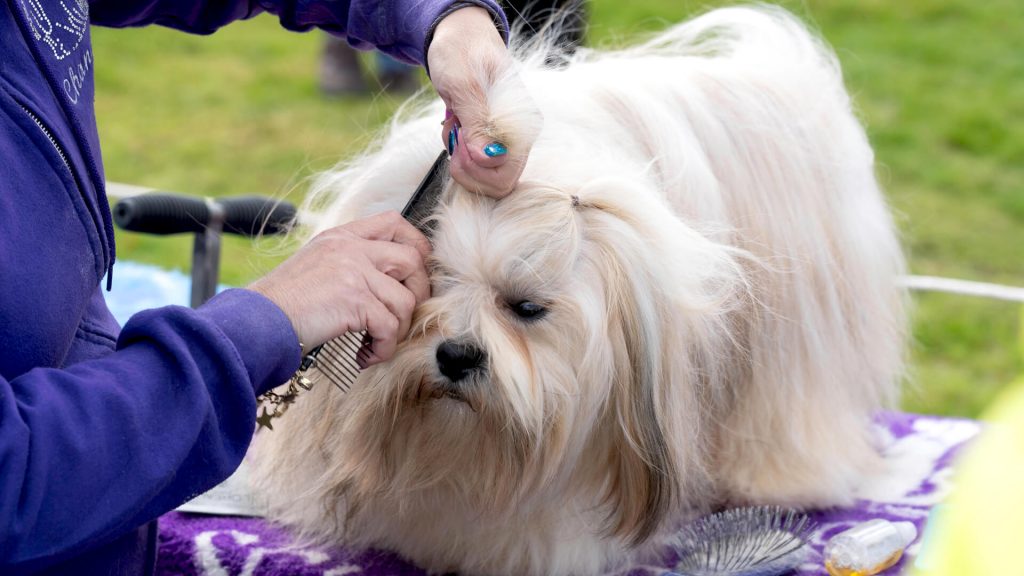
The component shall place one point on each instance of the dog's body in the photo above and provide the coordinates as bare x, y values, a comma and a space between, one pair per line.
690, 301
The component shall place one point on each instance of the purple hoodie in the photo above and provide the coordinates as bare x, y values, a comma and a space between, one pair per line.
103, 430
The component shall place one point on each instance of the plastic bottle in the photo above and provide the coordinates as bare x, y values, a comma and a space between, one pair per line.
868, 548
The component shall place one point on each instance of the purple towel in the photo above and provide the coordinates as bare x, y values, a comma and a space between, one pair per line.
919, 451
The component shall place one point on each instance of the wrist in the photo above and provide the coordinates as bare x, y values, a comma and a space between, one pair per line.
266, 290
464, 17
461, 25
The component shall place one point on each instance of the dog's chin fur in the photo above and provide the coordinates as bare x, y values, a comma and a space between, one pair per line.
700, 220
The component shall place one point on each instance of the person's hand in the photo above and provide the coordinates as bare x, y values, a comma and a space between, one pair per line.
466, 57
366, 275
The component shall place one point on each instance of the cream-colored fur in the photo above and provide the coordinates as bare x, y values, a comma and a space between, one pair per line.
700, 219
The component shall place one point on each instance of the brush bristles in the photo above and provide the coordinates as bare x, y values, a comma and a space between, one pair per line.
338, 359
753, 541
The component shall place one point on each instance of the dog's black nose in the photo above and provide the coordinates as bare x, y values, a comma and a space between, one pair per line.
456, 361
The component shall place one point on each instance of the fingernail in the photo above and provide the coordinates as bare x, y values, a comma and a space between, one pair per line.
495, 149
451, 141
447, 114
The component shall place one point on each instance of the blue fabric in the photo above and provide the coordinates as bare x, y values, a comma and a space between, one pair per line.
143, 286
103, 430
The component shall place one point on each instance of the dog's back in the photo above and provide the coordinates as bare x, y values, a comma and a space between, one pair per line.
741, 120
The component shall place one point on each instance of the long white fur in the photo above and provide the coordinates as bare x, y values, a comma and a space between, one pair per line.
723, 314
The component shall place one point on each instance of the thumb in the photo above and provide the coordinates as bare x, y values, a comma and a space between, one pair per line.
483, 146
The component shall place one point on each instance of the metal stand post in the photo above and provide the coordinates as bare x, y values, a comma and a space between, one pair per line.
206, 256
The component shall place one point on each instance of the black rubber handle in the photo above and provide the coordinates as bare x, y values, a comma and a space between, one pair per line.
162, 213
255, 215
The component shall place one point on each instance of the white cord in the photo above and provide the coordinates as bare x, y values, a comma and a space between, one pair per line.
964, 287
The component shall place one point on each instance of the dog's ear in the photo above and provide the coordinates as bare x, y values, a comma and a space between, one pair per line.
669, 291
642, 483
643, 470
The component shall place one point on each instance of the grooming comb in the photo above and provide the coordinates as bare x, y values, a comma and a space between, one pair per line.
751, 541
336, 361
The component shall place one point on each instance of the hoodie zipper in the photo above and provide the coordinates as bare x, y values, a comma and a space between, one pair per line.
49, 136
64, 158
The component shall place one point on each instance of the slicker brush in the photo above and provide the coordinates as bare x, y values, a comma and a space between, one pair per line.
751, 541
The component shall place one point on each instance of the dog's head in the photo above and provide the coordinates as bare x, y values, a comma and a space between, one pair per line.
563, 354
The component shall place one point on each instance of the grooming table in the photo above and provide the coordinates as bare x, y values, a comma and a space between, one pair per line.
919, 452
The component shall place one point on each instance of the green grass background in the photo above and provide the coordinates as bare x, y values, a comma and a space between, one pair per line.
938, 83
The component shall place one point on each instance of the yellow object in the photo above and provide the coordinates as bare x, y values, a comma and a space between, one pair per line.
979, 532
834, 570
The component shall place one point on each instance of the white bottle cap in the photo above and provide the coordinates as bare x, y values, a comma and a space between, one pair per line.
906, 531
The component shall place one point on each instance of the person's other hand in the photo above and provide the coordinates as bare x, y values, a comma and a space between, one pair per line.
466, 57
366, 275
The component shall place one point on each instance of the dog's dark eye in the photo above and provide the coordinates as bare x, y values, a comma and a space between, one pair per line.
528, 310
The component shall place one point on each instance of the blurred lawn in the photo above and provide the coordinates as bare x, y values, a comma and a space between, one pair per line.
939, 84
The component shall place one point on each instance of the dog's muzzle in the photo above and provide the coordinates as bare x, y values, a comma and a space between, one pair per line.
458, 361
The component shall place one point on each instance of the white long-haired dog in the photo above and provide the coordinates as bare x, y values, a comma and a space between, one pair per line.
688, 302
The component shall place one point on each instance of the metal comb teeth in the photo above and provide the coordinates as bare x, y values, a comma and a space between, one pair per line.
338, 359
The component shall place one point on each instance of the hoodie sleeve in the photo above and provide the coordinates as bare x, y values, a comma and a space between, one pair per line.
400, 28
104, 446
